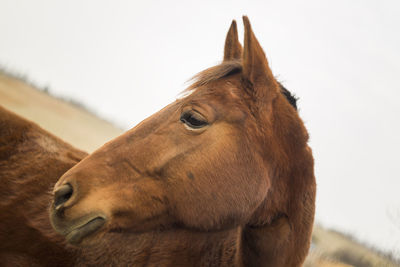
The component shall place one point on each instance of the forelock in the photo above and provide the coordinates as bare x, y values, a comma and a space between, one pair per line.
226, 69
220, 71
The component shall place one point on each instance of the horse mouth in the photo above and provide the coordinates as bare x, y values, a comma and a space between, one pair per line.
78, 234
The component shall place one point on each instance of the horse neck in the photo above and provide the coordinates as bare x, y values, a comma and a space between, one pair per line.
283, 223
166, 248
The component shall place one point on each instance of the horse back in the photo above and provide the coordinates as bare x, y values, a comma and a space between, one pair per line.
31, 161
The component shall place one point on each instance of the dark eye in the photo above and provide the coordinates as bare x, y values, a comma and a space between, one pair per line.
193, 120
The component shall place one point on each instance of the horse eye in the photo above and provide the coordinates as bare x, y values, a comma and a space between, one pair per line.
193, 120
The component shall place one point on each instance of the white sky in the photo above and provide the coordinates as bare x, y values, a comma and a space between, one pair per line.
127, 59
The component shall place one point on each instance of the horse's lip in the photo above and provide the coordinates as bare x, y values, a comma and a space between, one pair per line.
79, 233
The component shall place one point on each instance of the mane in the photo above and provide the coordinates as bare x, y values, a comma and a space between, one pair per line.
292, 98
226, 69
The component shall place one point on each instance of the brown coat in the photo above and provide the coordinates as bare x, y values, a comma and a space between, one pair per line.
31, 161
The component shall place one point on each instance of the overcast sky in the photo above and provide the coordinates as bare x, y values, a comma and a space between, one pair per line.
127, 59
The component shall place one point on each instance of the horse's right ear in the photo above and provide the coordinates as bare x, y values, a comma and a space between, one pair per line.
255, 67
233, 49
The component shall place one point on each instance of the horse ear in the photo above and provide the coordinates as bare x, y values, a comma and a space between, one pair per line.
233, 49
255, 67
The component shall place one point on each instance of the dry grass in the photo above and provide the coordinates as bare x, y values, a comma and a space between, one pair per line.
331, 247
72, 123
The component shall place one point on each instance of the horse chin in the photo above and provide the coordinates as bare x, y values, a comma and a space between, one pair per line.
88, 229
78, 231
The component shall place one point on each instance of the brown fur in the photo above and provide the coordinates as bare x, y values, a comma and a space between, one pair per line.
215, 73
239, 191
31, 161
233, 49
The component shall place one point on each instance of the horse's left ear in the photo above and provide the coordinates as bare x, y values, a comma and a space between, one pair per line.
256, 71
233, 49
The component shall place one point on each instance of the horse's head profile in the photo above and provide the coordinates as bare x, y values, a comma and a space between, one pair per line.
231, 153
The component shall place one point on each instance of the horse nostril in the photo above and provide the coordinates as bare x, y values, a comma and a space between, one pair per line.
62, 195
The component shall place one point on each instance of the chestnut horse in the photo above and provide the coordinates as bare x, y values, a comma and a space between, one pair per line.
31, 162
221, 177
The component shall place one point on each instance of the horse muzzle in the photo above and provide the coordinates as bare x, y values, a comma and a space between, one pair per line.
74, 228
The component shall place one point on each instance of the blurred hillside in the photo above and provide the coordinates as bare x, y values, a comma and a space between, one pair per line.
334, 249
64, 119
79, 127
